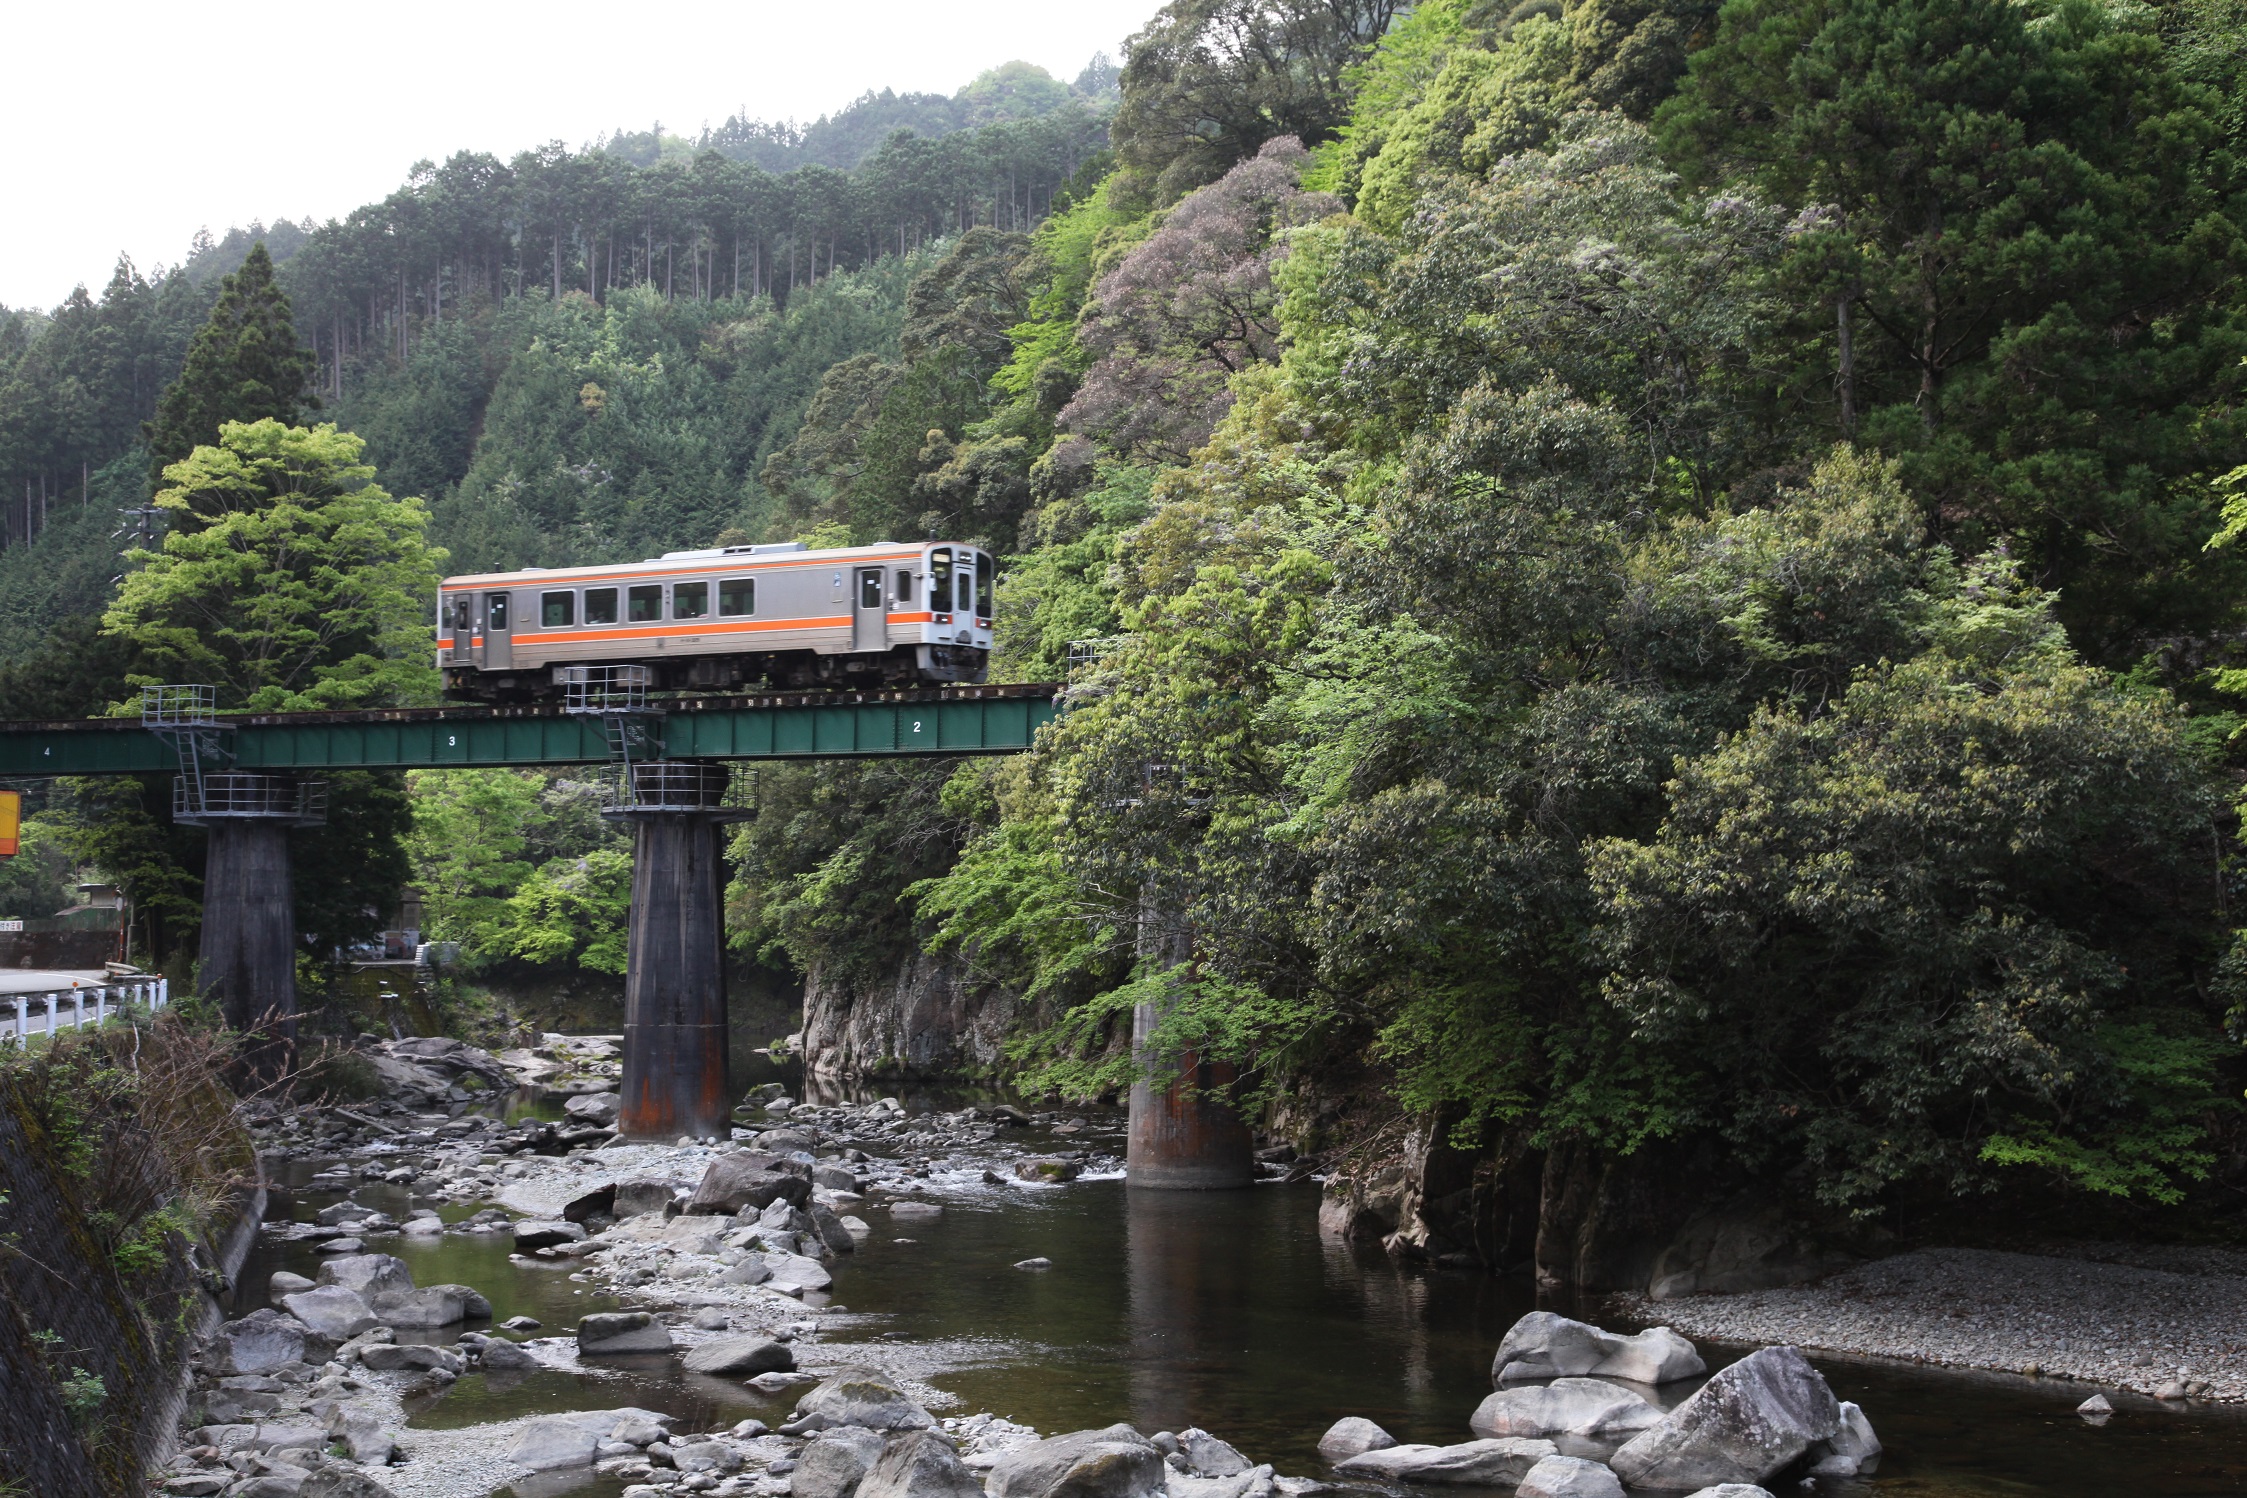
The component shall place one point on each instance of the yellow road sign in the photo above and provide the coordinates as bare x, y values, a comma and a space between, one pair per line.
11, 822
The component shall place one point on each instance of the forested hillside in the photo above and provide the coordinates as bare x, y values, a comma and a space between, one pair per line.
1661, 570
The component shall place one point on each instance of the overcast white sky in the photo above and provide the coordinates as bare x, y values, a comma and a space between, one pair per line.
131, 125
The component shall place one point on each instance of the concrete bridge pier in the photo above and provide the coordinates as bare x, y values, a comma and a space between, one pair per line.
1185, 1134
248, 958
247, 962
675, 984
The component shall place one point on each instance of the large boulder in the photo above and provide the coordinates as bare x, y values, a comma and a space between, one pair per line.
1117, 1462
1351, 1435
367, 1275
741, 1356
341, 1482
553, 1443
1850, 1450
920, 1464
473, 1303
705, 1456
832, 1465
1565, 1407
330, 1311
1569, 1477
793, 1274
1654, 1356
502, 1356
620, 1332
418, 1310
1207, 1456
747, 1179
640, 1197
829, 1229
1502, 1463
594, 1107
367, 1439
1744, 1424
533, 1234
1731, 1490
1543, 1345
261, 1342
860, 1396
1746, 1243
408, 1357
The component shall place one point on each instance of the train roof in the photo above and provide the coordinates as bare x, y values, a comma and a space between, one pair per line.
743, 558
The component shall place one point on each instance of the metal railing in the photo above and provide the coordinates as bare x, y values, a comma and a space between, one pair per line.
280, 798
675, 785
179, 706
88, 1002
185, 716
605, 690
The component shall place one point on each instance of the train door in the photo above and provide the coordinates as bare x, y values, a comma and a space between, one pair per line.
461, 612
869, 615
499, 639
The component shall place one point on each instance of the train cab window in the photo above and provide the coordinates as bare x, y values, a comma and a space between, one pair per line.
690, 600
940, 578
966, 587
983, 584
870, 588
557, 610
904, 585
644, 603
737, 597
464, 612
600, 605
498, 616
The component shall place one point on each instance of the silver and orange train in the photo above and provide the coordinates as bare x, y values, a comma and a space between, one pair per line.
737, 616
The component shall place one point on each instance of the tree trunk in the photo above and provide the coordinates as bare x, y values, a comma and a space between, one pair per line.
1845, 373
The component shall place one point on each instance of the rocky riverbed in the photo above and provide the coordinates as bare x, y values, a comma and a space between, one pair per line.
717, 1258
720, 1252
2169, 1322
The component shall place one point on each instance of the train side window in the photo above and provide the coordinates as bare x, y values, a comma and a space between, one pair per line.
644, 603
737, 597
983, 584
600, 605
690, 600
464, 612
557, 610
499, 612
904, 585
940, 578
870, 588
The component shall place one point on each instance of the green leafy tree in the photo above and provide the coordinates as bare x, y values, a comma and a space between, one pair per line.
1949, 925
575, 911
1207, 82
2002, 197
245, 365
307, 586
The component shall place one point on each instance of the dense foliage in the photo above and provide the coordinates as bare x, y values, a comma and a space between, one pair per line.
1641, 567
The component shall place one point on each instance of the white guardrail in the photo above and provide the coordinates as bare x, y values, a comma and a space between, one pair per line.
89, 1001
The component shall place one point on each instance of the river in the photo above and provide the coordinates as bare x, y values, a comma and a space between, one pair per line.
1227, 1310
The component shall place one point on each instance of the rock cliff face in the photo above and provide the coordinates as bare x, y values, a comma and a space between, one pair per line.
924, 1022
1666, 1221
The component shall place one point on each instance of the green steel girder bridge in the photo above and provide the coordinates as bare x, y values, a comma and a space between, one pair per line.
249, 778
999, 719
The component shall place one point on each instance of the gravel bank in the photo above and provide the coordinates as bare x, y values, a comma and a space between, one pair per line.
2119, 1316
